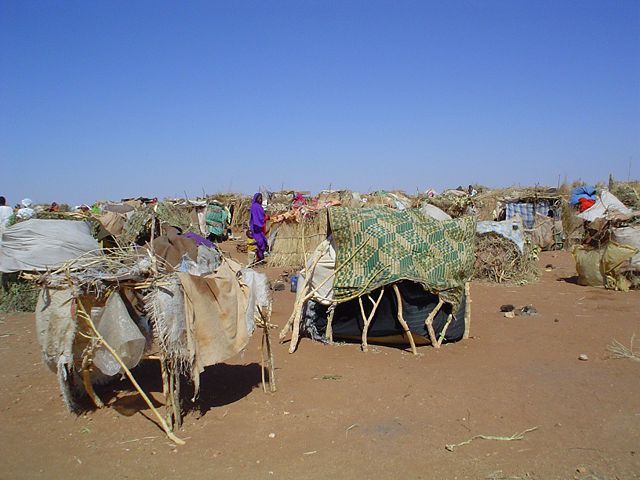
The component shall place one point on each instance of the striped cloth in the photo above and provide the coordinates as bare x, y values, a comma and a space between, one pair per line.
527, 211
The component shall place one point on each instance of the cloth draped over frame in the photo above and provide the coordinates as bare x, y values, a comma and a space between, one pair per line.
377, 246
215, 311
216, 218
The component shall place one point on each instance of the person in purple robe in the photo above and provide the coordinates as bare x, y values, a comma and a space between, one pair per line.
257, 224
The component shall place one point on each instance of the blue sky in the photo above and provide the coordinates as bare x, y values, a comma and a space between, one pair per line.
108, 99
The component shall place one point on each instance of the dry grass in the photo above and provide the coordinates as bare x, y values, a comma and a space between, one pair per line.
294, 240
618, 350
499, 260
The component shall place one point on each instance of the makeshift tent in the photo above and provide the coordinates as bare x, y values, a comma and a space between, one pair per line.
541, 215
40, 245
384, 272
100, 316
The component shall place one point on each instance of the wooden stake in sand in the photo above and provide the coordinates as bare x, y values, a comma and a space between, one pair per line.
367, 320
83, 314
467, 310
402, 321
429, 323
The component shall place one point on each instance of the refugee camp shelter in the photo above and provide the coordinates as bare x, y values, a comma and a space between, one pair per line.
386, 274
541, 214
176, 300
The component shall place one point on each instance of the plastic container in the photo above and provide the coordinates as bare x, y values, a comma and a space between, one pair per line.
121, 333
294, 283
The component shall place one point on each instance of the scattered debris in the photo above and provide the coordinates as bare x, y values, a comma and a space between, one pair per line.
509, 314
515, 436
549, 267
618, 350
349, 428
278, 285
528, 310
272, 435
507, 308
583, 357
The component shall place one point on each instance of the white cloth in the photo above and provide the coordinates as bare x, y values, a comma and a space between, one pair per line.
434, 212
5, 215
25, 213
42, 244
606, 204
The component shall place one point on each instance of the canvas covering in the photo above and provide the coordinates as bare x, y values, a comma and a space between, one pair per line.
39, 245
378, 246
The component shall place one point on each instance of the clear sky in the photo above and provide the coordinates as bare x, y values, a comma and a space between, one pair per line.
106, 99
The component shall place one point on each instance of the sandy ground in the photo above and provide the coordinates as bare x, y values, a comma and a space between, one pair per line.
341, 413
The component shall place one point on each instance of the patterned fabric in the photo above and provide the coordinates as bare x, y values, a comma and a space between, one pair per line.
378, 246
527, 211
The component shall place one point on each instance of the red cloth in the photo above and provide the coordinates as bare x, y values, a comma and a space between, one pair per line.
585, 204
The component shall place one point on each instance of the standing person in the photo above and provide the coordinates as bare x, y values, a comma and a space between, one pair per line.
257, 226
5, 213
216, 218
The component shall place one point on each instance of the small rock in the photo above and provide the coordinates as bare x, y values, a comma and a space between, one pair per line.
278, 285
272, 435
582, 470
509, 314
583, 357
507, 308
549, 267
555, 320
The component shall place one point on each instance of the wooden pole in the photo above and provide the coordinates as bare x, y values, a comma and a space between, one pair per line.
329, 332
367, 320
467, 310
444, 330
429, 323
402, 321
82, 312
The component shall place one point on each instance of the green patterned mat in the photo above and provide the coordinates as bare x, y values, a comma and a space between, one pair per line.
378, 246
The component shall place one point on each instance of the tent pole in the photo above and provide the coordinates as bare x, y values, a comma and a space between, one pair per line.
403, 322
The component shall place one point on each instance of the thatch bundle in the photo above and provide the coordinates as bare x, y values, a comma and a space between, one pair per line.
454, 205
139, 223
345, 198
294, 241
499, 260
628, 193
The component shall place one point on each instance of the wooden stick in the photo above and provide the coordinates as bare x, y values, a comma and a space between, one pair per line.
402, 321
166, 390
367, 320
467, 310
86, 380
429, 322
444, 330
174, 384
267, 340
329, 332
82, 312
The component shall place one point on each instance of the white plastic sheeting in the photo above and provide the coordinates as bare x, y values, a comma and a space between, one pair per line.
512, 229
607, 203
629, 236
43, 244
434, 212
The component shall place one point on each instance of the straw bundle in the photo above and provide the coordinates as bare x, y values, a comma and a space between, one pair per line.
499, 260
295, 240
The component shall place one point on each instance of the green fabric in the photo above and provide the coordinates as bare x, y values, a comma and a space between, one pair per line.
399, 245
216, 219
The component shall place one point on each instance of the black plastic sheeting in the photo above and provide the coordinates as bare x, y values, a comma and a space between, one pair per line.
416, 304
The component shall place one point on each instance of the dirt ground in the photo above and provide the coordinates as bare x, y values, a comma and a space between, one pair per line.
342, 413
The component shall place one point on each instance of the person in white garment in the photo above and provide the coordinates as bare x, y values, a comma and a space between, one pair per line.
26, 212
